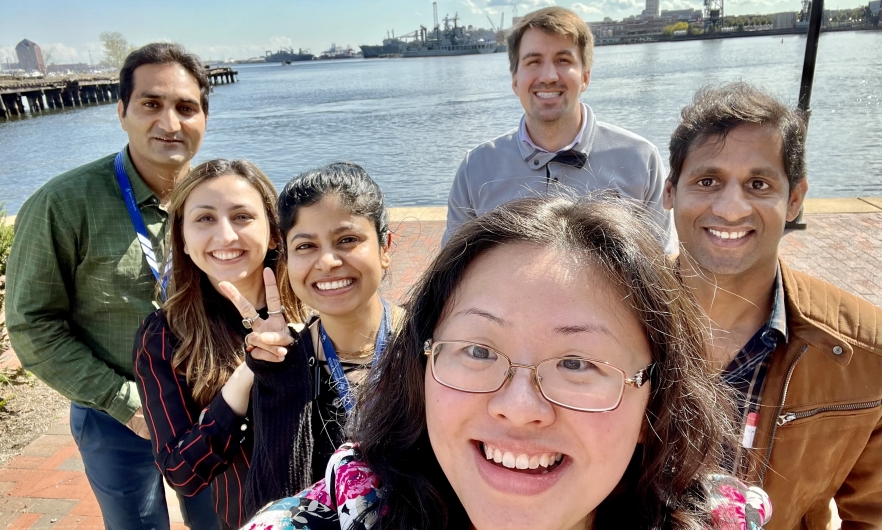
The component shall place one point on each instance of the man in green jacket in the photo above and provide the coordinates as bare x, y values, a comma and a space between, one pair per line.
83, 270
804, 357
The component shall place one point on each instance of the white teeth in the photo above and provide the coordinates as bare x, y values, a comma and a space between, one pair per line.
727, 235
328, 286
547, 95
520, 461
224, 255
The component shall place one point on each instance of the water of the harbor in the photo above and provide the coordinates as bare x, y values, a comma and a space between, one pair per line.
410, 121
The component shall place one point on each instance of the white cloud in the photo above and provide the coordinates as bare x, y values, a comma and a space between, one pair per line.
495, 7
581, 8
277, 43
681, 4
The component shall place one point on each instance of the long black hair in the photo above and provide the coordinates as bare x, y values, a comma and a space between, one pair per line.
687, 414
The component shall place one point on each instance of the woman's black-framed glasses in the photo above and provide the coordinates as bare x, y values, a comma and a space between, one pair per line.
576, 383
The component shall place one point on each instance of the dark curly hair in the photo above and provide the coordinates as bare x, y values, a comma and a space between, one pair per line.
716, 110
688, 412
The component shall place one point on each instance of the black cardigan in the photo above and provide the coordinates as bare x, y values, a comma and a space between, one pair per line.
297, 424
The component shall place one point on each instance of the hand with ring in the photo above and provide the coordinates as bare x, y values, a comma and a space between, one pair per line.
269, 337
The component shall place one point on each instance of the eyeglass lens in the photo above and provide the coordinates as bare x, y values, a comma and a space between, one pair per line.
569, 381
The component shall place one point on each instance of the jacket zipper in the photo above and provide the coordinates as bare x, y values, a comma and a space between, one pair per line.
784, 419
762, 474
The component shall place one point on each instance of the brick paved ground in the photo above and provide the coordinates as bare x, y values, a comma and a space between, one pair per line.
45, 487
843, 249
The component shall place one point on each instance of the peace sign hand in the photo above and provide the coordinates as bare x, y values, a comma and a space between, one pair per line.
270, 336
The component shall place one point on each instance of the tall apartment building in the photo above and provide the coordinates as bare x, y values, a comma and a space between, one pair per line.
30, 57
652, 8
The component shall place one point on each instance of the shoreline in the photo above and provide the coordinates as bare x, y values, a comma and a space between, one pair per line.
810, 206
783, 32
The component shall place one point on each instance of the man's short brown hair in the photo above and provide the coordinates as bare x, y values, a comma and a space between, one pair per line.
554, 21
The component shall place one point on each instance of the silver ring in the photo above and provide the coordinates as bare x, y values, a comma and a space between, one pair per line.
248, 321
281, 311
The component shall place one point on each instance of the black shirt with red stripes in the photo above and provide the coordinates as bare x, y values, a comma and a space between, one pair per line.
195, 447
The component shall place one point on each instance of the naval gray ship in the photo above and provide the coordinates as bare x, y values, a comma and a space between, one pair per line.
452, 40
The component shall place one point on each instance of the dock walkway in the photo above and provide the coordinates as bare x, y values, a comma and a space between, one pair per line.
57, 92
45, 486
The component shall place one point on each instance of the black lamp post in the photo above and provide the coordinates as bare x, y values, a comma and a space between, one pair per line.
808, 77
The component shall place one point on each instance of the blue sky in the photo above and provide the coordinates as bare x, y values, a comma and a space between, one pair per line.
221, 29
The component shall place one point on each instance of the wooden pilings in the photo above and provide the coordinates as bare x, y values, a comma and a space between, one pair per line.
21, 95
220, 76
41, 96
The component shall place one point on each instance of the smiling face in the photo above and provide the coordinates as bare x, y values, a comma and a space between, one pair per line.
549, 78
164, 119
580, 456
732, 201
226, 232
335, 260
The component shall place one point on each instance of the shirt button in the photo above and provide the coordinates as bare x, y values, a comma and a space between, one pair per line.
837, 350
243, 427
535, 162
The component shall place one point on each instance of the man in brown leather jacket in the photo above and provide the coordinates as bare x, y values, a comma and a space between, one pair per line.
804, 357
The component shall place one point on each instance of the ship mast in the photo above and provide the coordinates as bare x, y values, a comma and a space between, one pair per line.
437, 28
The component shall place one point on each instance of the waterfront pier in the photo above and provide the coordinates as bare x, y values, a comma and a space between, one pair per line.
221, 75
21, 95
55, 93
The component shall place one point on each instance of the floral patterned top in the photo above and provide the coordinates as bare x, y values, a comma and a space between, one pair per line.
356, 489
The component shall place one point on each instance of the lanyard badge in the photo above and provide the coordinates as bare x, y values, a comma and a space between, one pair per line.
336, 368
125, 185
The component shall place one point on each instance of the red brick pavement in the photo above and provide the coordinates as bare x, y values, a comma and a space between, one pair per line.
843, 249
45, 487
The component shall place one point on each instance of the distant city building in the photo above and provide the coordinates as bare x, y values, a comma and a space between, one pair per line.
30, 57
785, 20
874, 7
683, 15
652, 7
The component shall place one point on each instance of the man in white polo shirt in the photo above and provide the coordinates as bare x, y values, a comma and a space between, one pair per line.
559, 147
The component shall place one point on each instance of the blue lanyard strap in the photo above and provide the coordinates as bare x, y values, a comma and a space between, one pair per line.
125, 185
337, 373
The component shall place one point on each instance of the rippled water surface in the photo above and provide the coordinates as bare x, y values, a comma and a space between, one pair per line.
410, 121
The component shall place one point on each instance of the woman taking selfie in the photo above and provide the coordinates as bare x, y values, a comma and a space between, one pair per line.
337, 240
189, 355
550, 375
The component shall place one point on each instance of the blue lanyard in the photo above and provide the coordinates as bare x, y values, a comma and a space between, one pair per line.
340, 381
138, 222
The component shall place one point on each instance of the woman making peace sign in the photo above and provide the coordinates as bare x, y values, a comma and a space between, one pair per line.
337, 240
189, 355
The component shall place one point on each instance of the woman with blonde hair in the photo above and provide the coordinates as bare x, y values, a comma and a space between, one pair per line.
189, 355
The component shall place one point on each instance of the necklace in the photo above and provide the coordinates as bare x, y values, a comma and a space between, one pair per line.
357, 354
